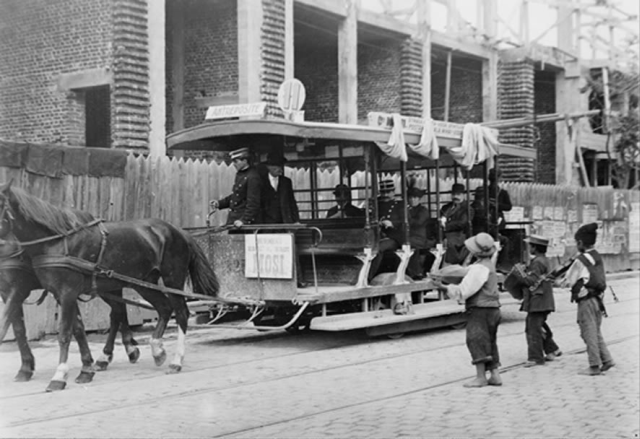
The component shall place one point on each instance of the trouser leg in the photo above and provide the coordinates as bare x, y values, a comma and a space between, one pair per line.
533, 330
548, 343
589, 318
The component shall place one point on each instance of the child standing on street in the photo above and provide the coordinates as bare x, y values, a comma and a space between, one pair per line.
479, 291
586, 277
538, 302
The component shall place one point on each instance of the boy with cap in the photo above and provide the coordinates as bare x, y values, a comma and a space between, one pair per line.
479, 291
586, 278
538, 302
244, 201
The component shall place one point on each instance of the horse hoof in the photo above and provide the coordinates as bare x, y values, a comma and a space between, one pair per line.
134, 356
55, 386
85, 377
174, 368
102, 365
23, 376
160, 359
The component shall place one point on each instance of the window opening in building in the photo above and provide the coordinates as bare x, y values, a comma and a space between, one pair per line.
98, 116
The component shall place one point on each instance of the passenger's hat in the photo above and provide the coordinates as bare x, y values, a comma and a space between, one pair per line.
481, 245
537, 240
239, 153
458, 188
587, 234
415, 192
341, 189
275, 159
387, 185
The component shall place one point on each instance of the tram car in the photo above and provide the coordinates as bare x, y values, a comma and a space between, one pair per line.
317, 274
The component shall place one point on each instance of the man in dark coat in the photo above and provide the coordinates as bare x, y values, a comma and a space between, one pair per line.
390, 213
538, 302
244, 201
420, 237
455, 222
278, 202
344, 208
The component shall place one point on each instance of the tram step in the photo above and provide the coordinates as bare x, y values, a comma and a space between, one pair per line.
361, 320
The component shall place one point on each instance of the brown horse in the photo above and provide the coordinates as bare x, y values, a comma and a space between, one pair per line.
18, 279
71, 258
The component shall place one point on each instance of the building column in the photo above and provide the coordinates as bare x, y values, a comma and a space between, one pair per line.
157, 77
250, 15
289, 45
490, 65
177, 65
348, 65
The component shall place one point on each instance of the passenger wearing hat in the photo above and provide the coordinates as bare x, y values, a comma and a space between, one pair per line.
479, 291
499, 202
279, 205
391, 217
454, 217
344, 208
538, 302
244, 201
420, 235
587, 280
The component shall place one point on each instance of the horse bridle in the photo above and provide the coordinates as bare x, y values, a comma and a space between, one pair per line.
6, 216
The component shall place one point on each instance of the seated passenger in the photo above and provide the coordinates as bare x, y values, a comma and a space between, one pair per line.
421, 259
390, 213
344, 208
455, 222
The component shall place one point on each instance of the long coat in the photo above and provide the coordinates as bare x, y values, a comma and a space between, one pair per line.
392, 210
244, 201
541, 299
279, 207
418, 219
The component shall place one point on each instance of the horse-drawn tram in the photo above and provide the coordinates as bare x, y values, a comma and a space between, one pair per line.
331, 271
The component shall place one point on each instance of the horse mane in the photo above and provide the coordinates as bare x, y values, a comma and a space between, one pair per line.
55, 219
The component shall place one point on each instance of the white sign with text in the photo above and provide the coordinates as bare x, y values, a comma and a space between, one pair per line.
270, 257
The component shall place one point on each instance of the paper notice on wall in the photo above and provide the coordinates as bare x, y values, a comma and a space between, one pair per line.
515, 215
558, 213
589, 213
537, 213
572, 216
634, 228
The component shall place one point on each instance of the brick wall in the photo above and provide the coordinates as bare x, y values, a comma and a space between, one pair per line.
515, 100
379, 78
545, 133
273, 48
210, 55
39, 40
465, 98
411, 78
317, 68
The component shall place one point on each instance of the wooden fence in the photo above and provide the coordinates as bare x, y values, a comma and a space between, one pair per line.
179, 191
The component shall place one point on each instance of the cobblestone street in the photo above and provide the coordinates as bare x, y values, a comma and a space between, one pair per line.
246, 384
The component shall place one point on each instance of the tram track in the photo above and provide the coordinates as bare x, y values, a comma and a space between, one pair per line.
247, 384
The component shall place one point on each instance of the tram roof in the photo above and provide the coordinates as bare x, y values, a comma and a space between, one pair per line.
228, 135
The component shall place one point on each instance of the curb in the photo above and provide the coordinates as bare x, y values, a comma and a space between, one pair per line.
623, 275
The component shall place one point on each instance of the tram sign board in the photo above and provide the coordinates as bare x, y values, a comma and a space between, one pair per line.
268, 256
415, 124
255, 110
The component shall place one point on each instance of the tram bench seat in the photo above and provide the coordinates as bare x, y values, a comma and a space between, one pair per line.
339, 237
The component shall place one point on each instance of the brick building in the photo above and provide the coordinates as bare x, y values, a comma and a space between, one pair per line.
124, 73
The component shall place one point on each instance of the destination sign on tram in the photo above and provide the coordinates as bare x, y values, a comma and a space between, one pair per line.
271, 258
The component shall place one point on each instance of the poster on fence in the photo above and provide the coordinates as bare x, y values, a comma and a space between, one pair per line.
555, 231
589, 213
612, 237
634, 228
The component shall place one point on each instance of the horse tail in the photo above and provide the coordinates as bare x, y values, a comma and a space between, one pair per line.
203, 277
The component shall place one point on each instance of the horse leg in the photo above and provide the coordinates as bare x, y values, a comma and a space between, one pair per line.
28, 365
87, 372
68, 311
161, 303
182, 318
118, 320
13, 315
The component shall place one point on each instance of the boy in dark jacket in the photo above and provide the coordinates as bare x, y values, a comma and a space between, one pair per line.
586, 278
538, 302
